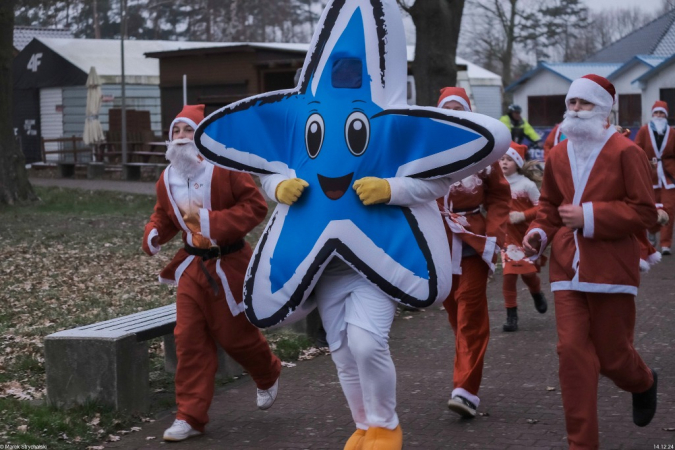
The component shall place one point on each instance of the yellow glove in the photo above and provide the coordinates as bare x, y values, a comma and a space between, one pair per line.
192, 223
372, 190
289, 191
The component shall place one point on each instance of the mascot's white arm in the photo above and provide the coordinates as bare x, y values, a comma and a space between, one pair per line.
269, 184
407, 191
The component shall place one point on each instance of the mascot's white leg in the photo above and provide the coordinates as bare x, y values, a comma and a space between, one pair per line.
348, 372
357, 318
377, 376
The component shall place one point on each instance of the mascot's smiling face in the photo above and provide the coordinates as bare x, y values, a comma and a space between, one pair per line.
348, 119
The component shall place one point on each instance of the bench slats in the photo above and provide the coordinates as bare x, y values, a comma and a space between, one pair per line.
162, 310
145, 325
125, 321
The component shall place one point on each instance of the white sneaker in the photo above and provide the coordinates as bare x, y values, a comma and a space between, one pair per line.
266, 397
665, 250
462, 406
179, 431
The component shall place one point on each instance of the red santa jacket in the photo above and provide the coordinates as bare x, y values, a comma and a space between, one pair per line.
618, 203
489, 189
663, 173
551, 141
233, 206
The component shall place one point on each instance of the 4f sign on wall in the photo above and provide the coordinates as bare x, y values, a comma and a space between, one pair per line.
34, 62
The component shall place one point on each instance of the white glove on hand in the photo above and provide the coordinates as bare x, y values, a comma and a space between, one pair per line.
516, 217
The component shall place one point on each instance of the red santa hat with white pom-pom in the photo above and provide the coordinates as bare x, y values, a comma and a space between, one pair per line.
594, 89
660, 105
517, 153
456, 94
191, 114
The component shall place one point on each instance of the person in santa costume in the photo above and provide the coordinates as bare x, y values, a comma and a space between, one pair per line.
213, 209
521, 176
658, 142
596, 199
474, 241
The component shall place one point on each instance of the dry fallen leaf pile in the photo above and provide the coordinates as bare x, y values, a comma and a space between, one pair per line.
58, 272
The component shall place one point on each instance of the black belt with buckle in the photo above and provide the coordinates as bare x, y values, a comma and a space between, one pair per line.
215, 251
210, 253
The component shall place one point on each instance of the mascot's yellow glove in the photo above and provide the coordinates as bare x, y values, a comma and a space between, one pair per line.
289, 191
192, 222
372, 190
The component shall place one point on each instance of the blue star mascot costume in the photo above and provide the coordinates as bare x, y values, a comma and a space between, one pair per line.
356, 172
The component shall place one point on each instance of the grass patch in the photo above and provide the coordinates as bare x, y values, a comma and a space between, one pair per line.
288, 345
25, 423
83, 202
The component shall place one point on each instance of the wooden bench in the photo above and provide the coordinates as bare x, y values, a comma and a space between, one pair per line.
66, 167
108, 361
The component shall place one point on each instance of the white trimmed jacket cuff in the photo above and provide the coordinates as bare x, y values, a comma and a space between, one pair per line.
153, 250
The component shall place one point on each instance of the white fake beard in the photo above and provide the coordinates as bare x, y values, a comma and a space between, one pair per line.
184, 157
585, 129
660, 123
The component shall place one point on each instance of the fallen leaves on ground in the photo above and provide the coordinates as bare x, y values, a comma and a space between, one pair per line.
313, 352
52, 281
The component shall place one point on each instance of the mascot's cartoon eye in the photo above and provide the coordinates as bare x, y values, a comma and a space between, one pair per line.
314, 131
357, 133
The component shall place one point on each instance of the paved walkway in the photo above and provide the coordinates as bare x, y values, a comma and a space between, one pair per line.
520, 397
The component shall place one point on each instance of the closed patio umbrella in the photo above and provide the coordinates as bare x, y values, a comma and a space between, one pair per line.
93, 133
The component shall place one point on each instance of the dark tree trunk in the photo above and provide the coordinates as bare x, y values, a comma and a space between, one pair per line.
14, 185
437, 24
507, 59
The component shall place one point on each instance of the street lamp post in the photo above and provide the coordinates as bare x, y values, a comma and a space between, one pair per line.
123, 30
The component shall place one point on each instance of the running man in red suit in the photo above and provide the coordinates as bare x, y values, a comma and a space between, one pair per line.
475, 241
213, 209
596, 199
658, 141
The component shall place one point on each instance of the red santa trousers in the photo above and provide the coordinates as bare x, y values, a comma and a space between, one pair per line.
468, 315
204, 319
667, 197
532, 281
595, 336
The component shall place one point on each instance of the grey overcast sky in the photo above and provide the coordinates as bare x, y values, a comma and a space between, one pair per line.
648, 5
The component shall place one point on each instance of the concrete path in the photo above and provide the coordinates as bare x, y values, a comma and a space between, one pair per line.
520, 397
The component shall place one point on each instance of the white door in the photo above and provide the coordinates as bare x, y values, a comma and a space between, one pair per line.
51, 119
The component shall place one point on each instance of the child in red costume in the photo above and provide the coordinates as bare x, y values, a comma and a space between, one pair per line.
475, 241
214, 209
524, 201
596, 199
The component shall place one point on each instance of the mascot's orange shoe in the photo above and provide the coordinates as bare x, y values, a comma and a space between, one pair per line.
355, 442
383, 439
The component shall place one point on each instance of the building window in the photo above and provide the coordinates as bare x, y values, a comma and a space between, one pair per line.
668, 96
630, 110
545, 110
